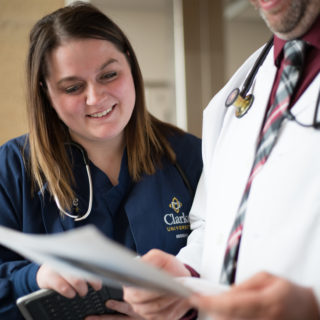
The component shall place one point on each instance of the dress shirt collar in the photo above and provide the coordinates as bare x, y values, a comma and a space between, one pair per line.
311, 37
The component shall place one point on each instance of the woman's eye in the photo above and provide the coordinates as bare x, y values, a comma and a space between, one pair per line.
73, 89
109, 75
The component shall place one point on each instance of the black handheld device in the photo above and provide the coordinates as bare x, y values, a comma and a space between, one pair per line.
46, 304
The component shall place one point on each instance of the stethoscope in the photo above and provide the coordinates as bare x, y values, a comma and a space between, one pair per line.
86, 162
242, 101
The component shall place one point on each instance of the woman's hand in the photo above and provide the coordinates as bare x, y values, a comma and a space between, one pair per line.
67, 286
153, 305
156, 306
264, 296
119, 306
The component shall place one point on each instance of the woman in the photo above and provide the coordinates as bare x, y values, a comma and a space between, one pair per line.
86, 105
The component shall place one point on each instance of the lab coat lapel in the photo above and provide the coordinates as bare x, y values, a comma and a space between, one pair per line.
232, 159
261, 90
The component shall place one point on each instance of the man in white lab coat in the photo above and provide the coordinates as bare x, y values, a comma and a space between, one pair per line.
278, 266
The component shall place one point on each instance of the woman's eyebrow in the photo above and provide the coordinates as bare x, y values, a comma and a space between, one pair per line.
66, 79
74, 78
107, 63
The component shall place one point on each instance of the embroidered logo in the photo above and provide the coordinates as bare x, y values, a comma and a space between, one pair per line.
178, 222
175, 204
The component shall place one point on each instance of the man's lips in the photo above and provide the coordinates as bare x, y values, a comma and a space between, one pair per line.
268, 4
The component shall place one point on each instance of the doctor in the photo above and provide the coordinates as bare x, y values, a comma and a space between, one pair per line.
93, 155
272, 256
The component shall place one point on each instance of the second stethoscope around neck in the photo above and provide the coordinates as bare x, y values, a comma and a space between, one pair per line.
242, 101
86, 163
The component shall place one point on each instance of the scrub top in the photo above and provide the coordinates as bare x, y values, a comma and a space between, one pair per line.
152, 213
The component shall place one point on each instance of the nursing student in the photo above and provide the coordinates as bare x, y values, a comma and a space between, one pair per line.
257, 213
86, 108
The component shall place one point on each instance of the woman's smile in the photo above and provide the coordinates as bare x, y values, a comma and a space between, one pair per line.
102, 114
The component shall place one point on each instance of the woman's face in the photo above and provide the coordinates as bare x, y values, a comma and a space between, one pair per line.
91, 88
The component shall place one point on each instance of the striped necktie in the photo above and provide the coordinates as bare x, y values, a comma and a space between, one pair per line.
293, 59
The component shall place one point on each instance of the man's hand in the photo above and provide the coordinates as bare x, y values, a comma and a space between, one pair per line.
264, 296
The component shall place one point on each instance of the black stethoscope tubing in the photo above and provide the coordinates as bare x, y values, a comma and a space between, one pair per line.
258, 63
242, 101
315, 124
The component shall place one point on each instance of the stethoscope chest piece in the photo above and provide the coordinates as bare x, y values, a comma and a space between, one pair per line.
241, 104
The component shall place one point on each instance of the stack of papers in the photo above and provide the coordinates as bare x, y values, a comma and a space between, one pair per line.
85, 252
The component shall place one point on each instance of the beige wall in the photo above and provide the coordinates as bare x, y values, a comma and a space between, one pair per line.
242, 38
214, 49
16, 19
204, 56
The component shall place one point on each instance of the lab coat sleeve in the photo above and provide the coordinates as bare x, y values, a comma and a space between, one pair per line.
316, 291
192, 252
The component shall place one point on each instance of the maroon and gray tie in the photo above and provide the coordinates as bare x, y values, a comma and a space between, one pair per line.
293, 60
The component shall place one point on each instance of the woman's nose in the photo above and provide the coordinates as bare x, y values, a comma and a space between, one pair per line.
95, 94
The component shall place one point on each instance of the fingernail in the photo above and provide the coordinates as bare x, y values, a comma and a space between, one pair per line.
110, 304
68, 292
71, 294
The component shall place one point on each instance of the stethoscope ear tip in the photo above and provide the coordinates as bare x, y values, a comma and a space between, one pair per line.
232, 97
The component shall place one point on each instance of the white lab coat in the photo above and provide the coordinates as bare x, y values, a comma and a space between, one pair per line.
282, 224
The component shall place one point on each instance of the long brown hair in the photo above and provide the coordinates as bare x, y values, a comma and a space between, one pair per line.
146, 136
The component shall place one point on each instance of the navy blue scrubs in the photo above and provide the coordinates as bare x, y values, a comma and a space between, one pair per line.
152, 213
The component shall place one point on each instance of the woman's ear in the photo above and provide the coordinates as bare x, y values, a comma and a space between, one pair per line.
43, 85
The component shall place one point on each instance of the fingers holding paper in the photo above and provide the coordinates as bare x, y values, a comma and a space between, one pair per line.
153, 305
264, 296
166, 262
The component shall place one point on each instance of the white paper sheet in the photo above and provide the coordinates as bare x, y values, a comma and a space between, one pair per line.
85, 252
